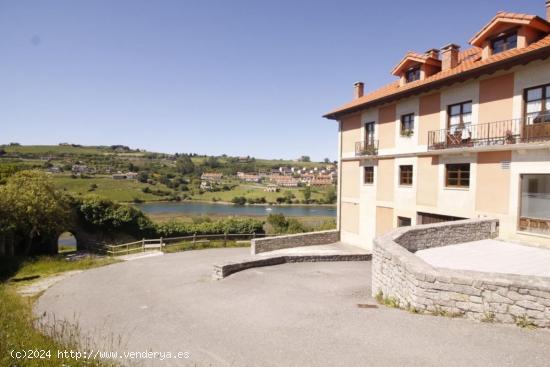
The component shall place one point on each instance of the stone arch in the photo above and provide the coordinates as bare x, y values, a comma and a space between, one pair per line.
67, 240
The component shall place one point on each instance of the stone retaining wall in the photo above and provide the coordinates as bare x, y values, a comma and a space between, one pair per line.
260, 245
399, 274
223, 270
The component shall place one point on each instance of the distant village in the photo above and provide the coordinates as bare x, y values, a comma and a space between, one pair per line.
282, 177
272, 180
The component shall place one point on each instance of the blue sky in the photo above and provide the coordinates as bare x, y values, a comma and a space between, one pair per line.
235, 77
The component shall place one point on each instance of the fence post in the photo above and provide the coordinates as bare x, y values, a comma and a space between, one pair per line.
143, 245
127, 249
253, 235
194, 238
225, 239
161, 244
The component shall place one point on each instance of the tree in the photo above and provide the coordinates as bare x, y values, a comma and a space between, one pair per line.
307, 194
185, 165
6, 170
212, 162
288, 196
305, 158
330, 196
36, 208
326, 160
239, 200
143, 176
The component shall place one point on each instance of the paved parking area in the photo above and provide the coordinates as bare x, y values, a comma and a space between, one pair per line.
490, 256
302, 314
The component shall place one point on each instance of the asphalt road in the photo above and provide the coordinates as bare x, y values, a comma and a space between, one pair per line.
302, 314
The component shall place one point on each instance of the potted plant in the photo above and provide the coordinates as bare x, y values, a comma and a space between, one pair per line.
510, 139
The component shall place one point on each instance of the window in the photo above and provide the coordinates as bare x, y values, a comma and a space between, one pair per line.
403, 221
537, 104
369, 133
368, 177
412, 74
429, 218
407, 124
457, 175
406, 175
460, 116
504, 42
535, 203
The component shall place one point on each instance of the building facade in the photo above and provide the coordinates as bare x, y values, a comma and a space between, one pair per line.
458, 134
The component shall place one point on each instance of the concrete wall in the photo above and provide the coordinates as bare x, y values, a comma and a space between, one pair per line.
350, 217
351, 133
350, 180
260, 245
493, 182
429, 108
385, 180
387, 127
426, 192
495, 98
384, 220
399, 274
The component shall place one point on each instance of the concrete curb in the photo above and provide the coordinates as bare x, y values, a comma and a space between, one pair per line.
224, 270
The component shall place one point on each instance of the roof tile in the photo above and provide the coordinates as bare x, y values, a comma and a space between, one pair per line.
469, 59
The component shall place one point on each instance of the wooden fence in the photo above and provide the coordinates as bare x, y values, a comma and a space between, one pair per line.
161, 243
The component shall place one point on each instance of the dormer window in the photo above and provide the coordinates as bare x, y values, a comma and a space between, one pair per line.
412, 74
504, 42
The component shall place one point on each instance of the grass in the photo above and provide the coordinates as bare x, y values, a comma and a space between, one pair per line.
525, 322
44, 266
488, 317
386, 301
255, 191
188, 245
115, 190
20, 330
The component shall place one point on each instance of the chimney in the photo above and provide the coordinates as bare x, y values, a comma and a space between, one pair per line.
449, 56
434, 52
548, 10
358, 89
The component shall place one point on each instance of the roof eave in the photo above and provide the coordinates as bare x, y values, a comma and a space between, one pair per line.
541, 53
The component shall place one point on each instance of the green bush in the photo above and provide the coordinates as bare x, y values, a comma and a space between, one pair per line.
103, 215
227, 225
281, 225
239, 200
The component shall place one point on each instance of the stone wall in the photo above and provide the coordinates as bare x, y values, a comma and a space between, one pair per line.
399, 274
225, 269
260, 245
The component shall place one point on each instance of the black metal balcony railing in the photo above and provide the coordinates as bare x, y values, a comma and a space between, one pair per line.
368, 147
522, 130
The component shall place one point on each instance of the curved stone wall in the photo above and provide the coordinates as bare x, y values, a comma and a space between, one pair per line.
397, 273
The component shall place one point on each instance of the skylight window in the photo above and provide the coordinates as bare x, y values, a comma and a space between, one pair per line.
412, 74
504, 43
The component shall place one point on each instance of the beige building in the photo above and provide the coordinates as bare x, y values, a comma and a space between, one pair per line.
458, 134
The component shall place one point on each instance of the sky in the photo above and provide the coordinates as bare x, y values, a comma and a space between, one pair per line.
207, 76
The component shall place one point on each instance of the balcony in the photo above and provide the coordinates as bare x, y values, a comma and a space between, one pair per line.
366, 148
522, 130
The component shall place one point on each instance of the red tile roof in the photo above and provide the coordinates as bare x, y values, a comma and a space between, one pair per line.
515, 18
470, 63
414, 57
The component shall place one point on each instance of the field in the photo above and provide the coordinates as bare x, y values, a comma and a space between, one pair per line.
66, 150
166, 178
116, 190
257, 191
